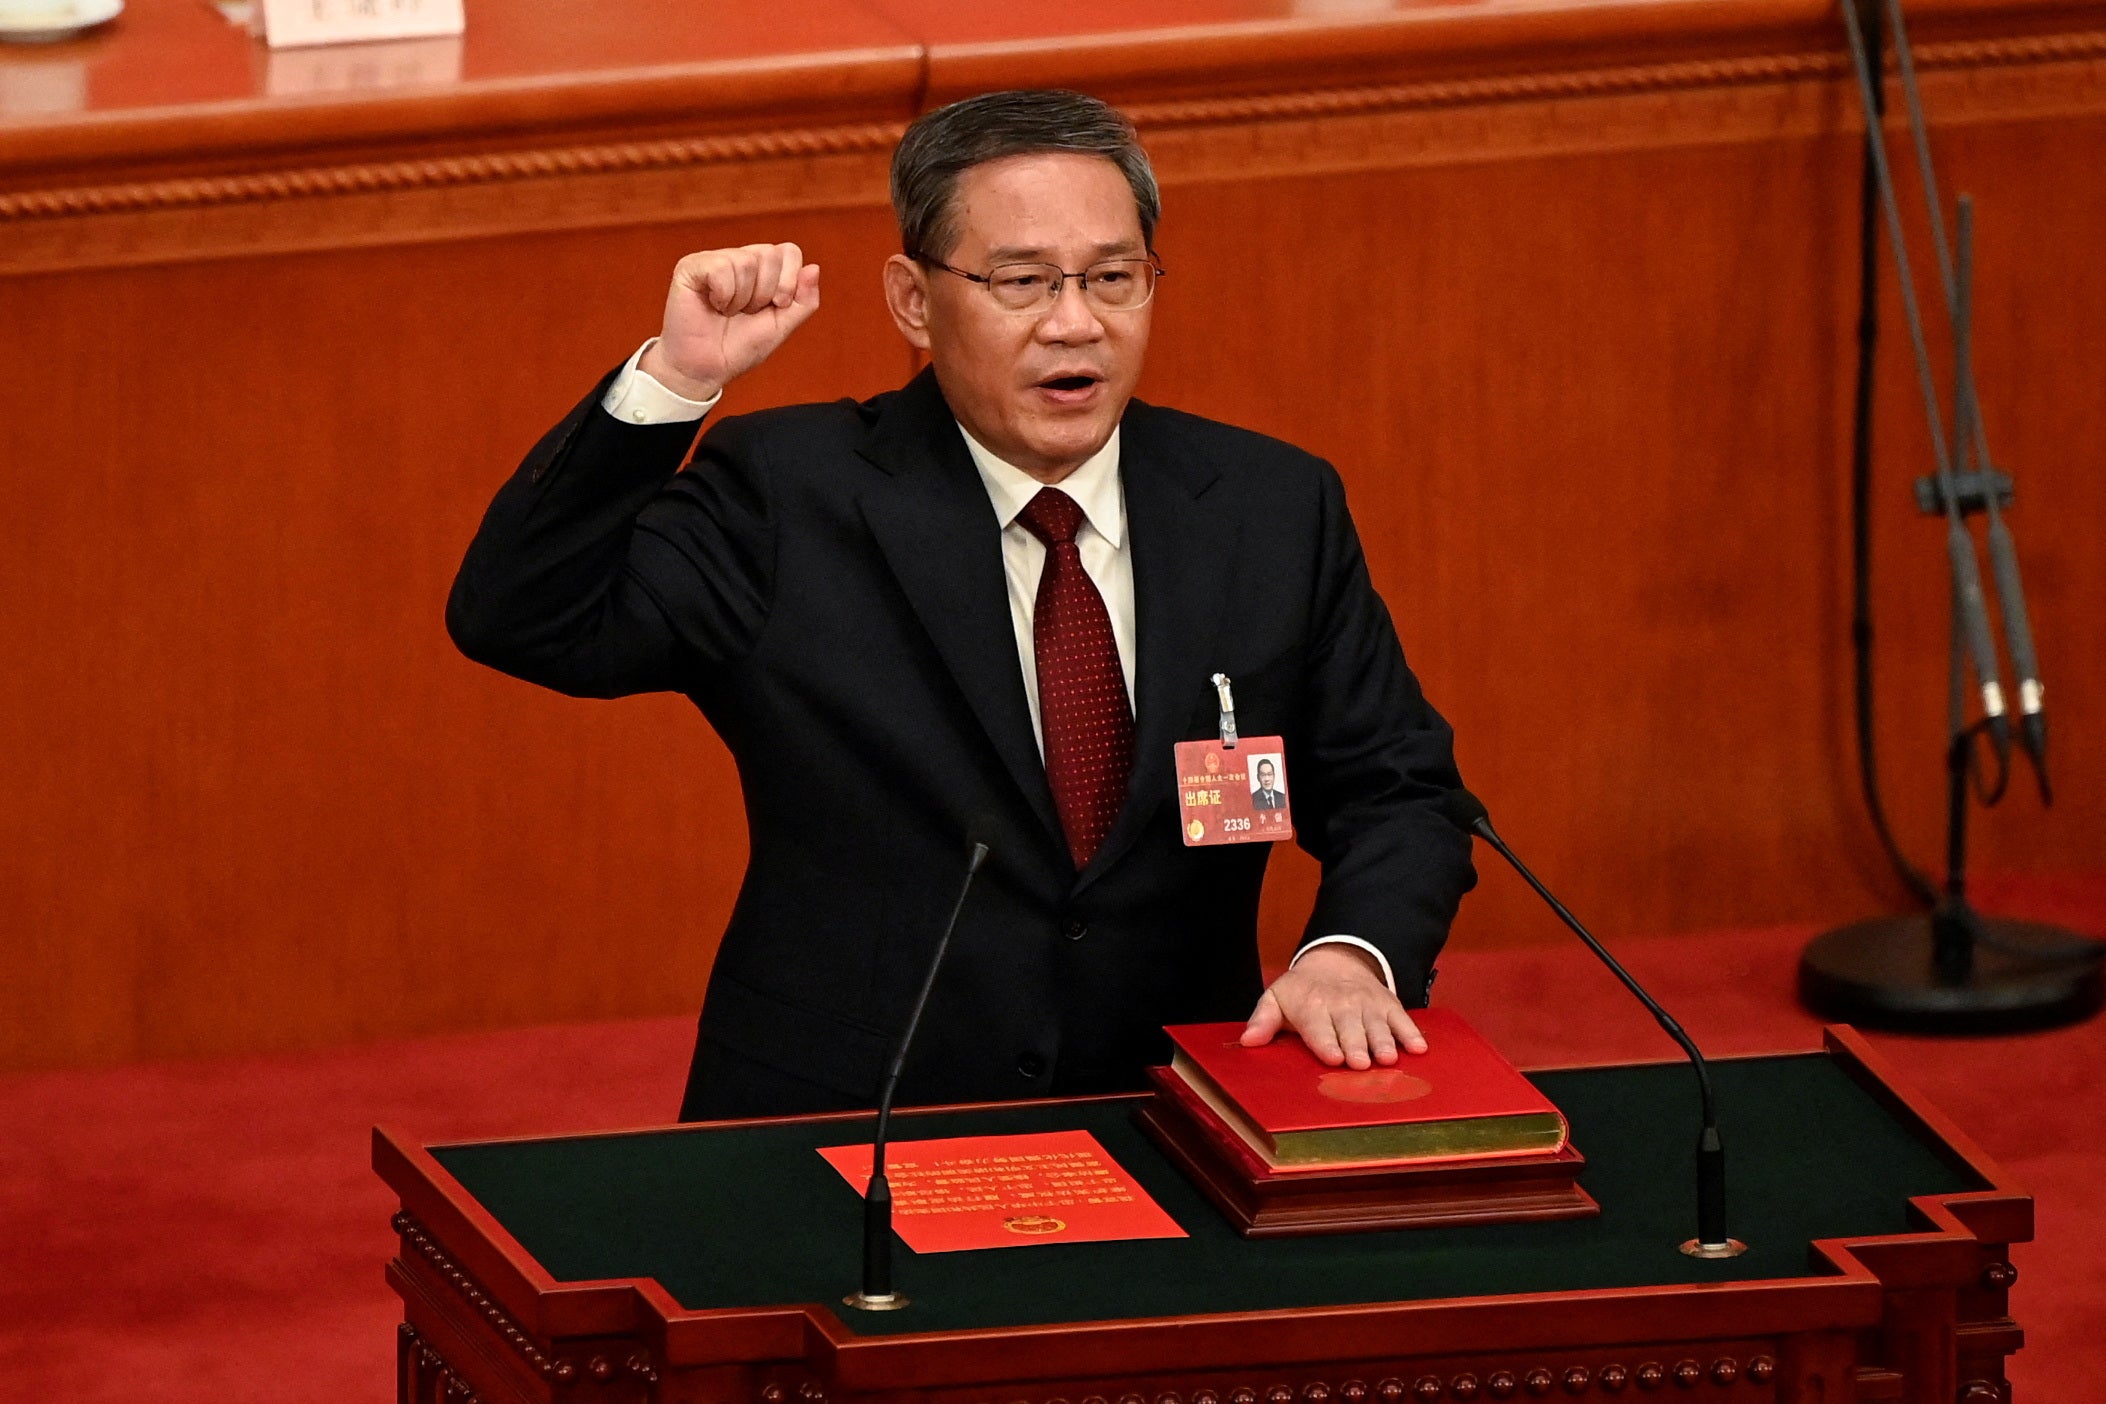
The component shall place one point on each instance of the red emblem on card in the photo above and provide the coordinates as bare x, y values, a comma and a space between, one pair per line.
1233, 794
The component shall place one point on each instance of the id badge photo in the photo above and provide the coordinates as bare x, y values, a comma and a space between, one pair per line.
1233, 789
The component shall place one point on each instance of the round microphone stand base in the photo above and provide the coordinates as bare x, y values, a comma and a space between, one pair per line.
1731, 1248
877, 1301
1952, 972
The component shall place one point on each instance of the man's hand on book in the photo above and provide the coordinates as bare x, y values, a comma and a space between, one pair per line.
1338, 1004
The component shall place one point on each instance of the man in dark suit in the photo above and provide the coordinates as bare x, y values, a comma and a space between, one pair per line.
1267, 795
993, 600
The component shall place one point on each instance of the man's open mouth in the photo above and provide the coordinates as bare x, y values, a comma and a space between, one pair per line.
1069, 382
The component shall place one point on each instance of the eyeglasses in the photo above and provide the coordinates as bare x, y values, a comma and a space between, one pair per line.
1115, 285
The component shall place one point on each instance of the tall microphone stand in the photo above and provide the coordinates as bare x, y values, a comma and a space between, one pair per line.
877, 1292
1953, 970
1467, 812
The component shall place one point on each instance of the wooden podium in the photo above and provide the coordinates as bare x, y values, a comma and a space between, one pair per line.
697, 1264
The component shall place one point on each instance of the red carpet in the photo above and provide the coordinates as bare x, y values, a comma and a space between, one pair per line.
211, 1232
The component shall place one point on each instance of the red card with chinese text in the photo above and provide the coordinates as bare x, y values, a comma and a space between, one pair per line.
1007, 1191
1233, 794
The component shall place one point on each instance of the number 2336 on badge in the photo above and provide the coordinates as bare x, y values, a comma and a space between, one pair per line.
1233, 794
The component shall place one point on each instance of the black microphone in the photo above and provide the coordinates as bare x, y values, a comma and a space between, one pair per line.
878, 1293
2025, 662
1972, 613
1973, 442
1467, 812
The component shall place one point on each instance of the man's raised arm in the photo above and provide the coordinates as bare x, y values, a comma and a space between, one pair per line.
565, 582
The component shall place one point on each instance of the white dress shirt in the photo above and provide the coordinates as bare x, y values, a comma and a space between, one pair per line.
1106, 557
637, 397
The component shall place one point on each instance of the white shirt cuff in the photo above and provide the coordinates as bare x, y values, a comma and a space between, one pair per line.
637, 397
1389, 977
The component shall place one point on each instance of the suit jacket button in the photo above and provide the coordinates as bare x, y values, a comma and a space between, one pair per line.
1031, 1065
1076, 929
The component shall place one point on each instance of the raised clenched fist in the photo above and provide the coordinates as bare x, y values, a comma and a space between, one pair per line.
726, 312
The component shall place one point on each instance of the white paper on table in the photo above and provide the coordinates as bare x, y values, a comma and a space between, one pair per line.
363, 68
292, 23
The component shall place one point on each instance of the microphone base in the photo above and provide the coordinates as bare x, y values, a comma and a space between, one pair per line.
1731, 1248
1952, 973
881, 1301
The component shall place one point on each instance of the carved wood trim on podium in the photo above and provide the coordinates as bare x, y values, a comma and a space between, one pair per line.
1912, 1317
276, 207
421, 1373
1931, 59
483, 169
472, 195
1711, 1376
1699, 103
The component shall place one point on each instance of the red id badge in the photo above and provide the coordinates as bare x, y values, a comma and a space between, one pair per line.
1233, 794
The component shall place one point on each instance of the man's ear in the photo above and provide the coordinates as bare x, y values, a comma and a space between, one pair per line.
907, 297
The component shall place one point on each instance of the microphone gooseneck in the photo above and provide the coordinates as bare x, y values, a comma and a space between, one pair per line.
878, 1293
1467, 812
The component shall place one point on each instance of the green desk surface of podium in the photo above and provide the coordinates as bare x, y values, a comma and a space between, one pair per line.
708, 1262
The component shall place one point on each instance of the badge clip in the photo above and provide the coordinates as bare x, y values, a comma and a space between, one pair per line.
1228, 710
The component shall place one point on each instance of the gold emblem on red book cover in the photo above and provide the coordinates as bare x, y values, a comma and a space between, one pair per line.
1373, 1085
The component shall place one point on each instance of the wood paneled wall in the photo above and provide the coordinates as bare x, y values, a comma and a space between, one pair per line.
1566, 292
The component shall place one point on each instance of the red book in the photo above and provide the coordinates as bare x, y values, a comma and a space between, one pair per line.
1461, 1098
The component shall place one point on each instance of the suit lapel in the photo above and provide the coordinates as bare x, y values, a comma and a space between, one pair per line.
931, 518
1185, 543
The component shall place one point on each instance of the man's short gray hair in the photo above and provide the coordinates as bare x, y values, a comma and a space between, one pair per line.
942, 145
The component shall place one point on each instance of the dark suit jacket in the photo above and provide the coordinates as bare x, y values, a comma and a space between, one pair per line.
1270, 799
826, 583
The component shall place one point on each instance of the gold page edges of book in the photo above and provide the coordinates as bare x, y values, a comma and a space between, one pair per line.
1526, 1134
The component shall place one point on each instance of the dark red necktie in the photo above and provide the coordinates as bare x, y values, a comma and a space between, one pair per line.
1082, 706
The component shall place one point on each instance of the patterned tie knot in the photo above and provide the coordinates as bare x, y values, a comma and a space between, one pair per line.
1052, 516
